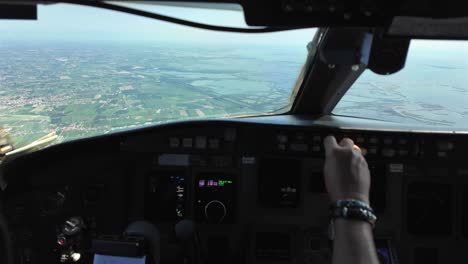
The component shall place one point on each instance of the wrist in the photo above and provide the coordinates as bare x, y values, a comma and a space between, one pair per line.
342, 227
350, 195
342, 224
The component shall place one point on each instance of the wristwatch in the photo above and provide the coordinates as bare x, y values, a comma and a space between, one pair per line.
350, 209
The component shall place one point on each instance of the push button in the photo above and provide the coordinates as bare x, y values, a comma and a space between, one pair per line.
388, 152
174, 142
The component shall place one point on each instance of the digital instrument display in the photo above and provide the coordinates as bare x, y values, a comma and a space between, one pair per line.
215, 198
279, 182
429, 208
166, 193
213, 183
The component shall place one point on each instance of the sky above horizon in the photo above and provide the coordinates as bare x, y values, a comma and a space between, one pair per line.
71, 23
66, 22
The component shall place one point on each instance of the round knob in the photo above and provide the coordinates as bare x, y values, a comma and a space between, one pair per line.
215, 211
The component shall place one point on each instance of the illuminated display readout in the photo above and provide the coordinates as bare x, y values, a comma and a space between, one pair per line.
213, 183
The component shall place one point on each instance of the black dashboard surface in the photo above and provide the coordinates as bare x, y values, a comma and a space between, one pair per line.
253, 186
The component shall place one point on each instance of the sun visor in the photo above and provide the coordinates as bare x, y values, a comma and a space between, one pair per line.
18, 11
388, 54
431, 28
435, 18
369, 47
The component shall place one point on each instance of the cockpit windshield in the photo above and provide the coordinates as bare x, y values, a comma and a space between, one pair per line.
81, 71
431, 90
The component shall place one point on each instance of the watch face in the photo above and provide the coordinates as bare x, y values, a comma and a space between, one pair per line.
355, 213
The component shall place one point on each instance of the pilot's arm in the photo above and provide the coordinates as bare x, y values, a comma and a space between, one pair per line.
347, 177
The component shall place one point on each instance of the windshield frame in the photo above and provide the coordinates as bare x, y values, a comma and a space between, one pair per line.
325, 84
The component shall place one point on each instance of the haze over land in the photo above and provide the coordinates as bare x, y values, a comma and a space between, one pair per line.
84, 71
85, 89
81, 90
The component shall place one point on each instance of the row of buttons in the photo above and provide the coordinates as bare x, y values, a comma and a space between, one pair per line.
388, 141
214, 161
373, 150
298, 144
371, 145
288, 190
282, 138
298, 147
386, 147
201, 142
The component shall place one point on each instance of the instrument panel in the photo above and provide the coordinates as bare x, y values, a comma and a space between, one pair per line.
254, 188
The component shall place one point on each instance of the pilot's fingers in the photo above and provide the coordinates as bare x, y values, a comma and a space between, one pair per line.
356, 147
347, 142
329, 143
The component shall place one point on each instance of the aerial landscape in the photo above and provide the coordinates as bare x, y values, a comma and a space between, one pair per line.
81, 90
109, 72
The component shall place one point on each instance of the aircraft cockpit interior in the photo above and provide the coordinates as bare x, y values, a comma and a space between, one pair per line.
170, 132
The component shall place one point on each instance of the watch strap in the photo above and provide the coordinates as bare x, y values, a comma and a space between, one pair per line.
354, 210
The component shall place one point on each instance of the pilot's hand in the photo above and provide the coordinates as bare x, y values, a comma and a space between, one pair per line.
346, 172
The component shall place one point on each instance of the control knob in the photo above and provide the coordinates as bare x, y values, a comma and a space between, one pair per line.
215, 211
73, 226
